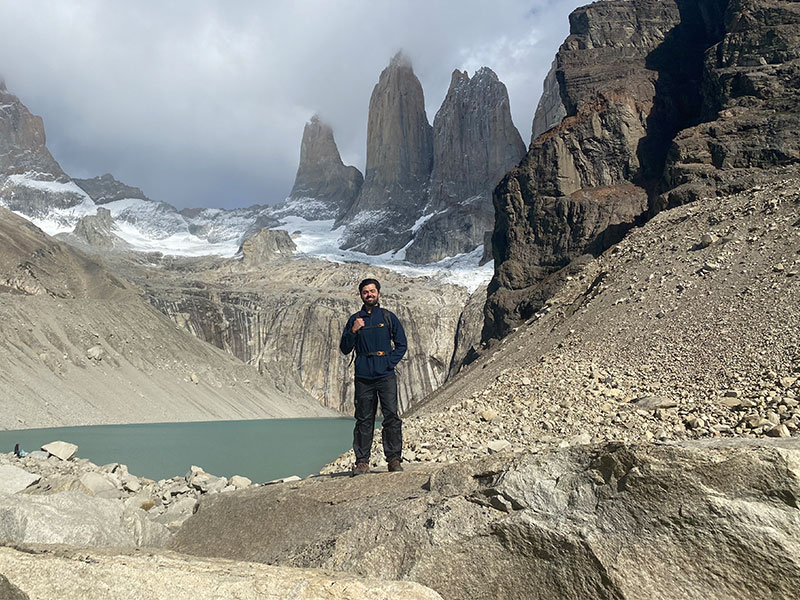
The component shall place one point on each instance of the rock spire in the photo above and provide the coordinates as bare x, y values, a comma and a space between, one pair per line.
324, 187
399, 162
475, 143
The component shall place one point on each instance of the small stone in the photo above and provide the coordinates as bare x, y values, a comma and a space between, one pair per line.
650, 403
488, 415
194, 378
498, 446
61, 450
706, 240
787, 382
95, 353
732, 394
695, 423
757, 421
779, 431
731, 403
779, 268
525, 381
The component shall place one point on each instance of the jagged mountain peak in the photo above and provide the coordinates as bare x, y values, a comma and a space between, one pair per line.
324, 188
106, 188
3, 84
400, 60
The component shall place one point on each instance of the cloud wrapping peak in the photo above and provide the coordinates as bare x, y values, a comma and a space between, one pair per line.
204, 104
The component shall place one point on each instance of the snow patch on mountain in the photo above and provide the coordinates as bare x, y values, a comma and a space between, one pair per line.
318, 239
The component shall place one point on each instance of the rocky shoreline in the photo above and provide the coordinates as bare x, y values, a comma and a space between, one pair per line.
143, 512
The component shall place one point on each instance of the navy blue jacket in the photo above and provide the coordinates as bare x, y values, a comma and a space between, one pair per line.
372, 339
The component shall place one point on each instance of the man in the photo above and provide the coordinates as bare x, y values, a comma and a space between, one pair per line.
371, 332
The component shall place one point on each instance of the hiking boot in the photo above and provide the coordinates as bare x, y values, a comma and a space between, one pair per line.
394, 465
360, 469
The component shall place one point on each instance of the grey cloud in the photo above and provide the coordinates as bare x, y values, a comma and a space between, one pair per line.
203, 104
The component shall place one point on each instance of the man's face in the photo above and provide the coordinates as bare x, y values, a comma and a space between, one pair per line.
370, 294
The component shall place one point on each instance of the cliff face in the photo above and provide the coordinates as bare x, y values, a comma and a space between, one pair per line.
106, 188
750, 104
475, 143
399, 161
31, 181
286, 318
629, 78
22, 140
324, 188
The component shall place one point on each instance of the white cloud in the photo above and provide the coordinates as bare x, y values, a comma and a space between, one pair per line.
204, 103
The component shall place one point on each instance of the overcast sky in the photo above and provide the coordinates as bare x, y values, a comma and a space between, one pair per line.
204, 103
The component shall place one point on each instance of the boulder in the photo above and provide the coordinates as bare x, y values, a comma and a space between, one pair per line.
87, 574
75, 518
239, 481
62, 450
13, 479
689, 520
98, 484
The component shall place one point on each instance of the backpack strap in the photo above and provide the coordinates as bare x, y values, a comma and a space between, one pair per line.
387, 317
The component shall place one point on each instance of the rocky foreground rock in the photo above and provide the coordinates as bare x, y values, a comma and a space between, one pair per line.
688, 520
46, 573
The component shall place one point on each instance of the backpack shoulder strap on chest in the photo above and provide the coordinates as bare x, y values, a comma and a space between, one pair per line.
387, 318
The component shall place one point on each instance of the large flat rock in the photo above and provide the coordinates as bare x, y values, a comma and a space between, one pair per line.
13, 479
691, 520
75, 518
89, 574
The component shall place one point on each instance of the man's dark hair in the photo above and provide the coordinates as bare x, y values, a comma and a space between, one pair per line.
367, 282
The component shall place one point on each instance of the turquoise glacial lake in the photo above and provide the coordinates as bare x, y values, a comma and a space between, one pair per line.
262, 450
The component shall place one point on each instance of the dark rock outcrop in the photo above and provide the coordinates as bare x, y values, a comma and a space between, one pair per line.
324, 188
475, 143
635, 79
697, 520
22, 140
750, 104
265, 247
399, 162
106, 188
31, 181
96, 232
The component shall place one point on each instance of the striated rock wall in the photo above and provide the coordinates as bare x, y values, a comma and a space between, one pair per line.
324, 188
399, 162
475, 143
286, 318
629, 78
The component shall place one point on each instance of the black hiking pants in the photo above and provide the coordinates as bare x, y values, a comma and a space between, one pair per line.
368, 393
